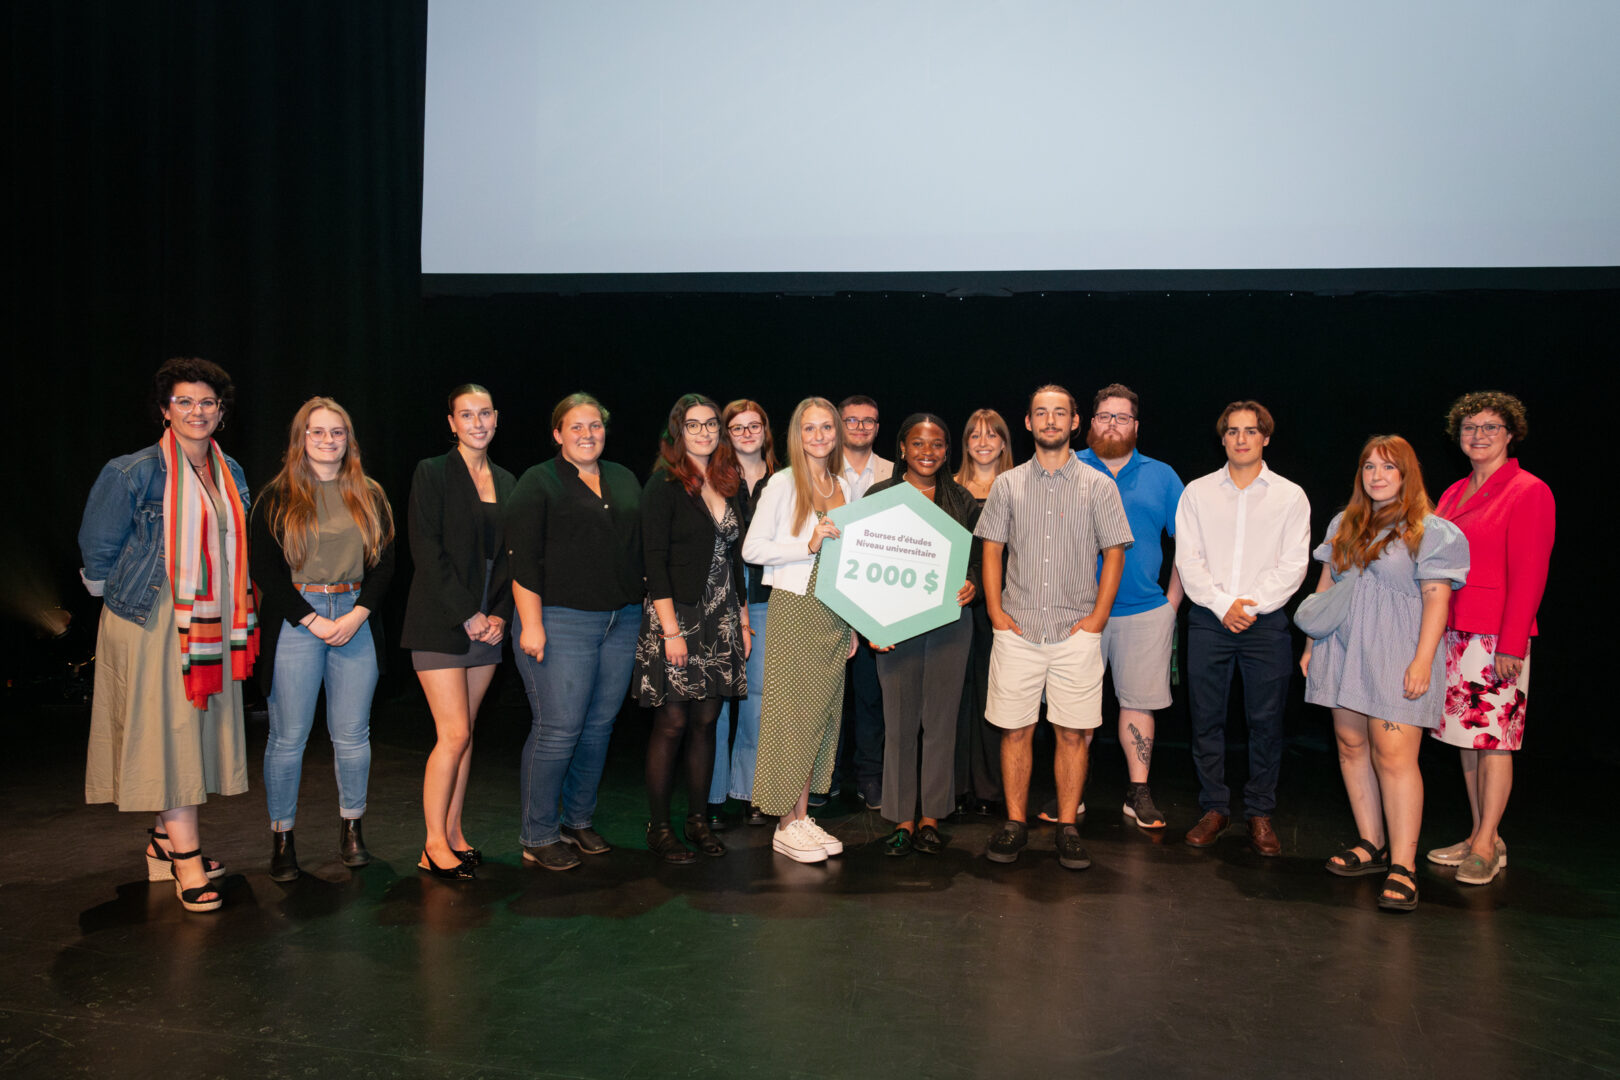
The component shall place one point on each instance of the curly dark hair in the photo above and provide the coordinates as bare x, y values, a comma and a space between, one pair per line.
192, 369
1505, 405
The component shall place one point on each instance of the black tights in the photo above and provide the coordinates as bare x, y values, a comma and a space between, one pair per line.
670, 720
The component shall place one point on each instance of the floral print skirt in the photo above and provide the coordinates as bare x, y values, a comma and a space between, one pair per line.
1483, 712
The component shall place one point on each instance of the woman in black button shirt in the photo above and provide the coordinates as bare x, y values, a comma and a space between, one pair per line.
573, 533
694, 631
460, 603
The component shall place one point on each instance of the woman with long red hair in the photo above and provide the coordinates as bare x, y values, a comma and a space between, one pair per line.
323, 557
694, 642
1381, 670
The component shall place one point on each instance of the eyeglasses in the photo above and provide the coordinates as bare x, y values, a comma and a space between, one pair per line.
860, 423
1105, 418
202, 405
1488, 430
320, 434
746, 429
693, 427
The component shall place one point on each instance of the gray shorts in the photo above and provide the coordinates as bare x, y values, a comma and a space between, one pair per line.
1136, 649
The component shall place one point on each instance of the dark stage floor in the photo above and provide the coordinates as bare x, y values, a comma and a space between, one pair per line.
1159, 961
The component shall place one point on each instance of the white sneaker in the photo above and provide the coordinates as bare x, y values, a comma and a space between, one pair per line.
829, 843
798, 843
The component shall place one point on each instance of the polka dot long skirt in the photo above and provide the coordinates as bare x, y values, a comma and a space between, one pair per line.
804, 698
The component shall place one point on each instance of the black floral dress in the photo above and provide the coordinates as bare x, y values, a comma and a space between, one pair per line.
715, 663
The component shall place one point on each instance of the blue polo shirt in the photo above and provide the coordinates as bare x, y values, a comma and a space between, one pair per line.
1150, 490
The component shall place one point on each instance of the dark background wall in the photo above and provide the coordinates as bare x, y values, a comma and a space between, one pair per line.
243, 182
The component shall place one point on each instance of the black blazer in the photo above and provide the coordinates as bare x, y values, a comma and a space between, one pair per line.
677, 540
280, 601
447, 546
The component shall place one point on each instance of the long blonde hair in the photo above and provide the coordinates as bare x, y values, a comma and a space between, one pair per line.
291, 509
991, 419
799, 462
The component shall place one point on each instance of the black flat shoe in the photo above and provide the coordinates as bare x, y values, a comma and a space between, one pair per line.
351, 845
897, 843
470, 856
698, 832
459, 872
756, 816
283, 857
928, 841
662, 842
717, 816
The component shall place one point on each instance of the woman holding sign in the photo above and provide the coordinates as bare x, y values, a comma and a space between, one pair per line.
922, 689
808, 645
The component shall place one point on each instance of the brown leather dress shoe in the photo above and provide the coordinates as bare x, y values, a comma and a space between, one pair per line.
1208, 829
1263, 838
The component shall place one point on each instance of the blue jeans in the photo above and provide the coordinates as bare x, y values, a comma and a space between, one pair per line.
1264, 655
574, 697
304, 663
734, 763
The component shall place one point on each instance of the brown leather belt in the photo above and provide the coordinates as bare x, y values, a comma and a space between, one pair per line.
340, 587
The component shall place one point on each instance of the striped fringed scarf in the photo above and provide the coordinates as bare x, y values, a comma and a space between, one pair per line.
187, 514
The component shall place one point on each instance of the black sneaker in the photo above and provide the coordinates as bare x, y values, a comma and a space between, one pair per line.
1006, 844
1139, 806
1070, 852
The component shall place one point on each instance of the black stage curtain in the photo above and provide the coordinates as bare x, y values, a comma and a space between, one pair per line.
242, 181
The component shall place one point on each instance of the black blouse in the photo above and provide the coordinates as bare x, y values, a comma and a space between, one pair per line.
959, 503
575, 548
758, 591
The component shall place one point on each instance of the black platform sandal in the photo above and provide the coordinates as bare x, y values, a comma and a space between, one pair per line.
1351, 863
192, 899
160, 867
1406, 895
699, 832
662, 842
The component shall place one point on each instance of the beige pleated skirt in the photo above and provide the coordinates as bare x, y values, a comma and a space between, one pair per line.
150, 748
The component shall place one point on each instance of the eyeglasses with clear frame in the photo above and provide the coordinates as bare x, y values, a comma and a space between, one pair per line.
203, 405
320, 434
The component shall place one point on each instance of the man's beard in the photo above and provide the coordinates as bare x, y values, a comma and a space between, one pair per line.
1054, 441
1106, 446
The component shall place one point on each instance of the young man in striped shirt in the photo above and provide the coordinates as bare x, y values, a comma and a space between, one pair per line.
1052, 516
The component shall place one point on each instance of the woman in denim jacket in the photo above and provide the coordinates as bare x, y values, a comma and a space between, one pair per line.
164, 540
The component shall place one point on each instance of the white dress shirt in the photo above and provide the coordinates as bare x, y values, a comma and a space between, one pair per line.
877, 468
1233, 542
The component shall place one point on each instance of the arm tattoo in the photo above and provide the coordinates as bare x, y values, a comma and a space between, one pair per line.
1144, 746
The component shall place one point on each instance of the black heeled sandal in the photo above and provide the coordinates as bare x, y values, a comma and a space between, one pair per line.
459, 872
160, 867
1406, 896
662, 842
192, 899
699, 832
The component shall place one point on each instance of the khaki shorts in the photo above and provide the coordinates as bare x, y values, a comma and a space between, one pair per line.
1069, 671
1136, 649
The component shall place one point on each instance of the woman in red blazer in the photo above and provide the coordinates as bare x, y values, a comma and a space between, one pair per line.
1508, 517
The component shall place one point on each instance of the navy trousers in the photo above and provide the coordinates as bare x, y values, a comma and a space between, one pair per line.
1264, 655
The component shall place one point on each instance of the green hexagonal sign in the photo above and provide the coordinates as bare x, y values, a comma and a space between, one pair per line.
900, 562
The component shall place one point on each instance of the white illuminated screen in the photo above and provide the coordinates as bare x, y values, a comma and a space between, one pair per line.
666, 137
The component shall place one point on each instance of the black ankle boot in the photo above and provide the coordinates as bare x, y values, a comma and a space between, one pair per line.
351, 845
283, 857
